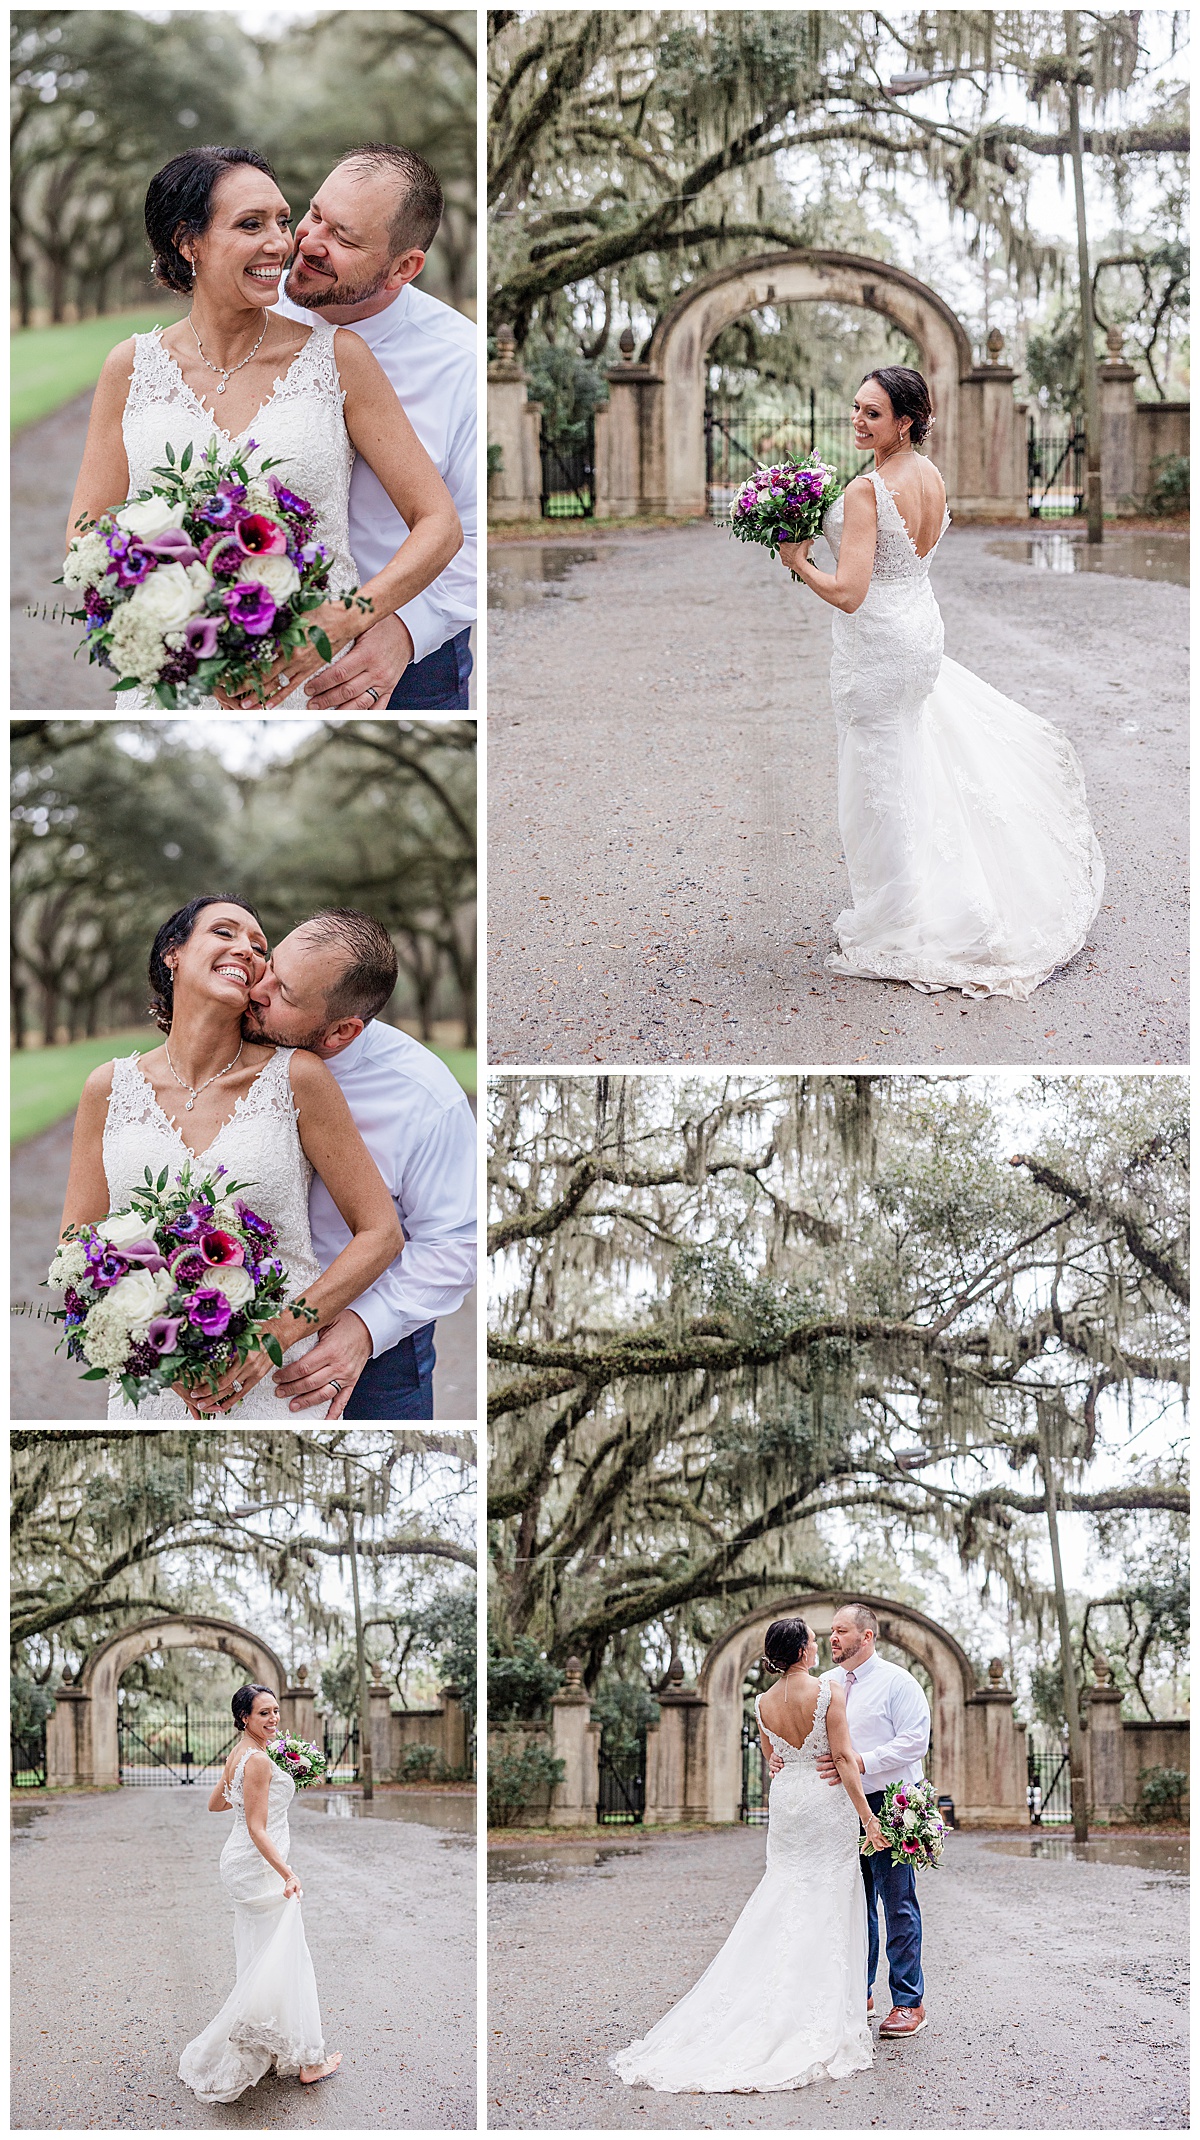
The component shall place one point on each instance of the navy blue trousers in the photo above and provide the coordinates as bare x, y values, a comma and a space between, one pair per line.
439, 683
895, 1886
399, 1384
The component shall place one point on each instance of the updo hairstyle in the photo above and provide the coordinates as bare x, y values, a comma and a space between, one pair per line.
173, 933
243, 1703
786, 1643
179, 206
909, 396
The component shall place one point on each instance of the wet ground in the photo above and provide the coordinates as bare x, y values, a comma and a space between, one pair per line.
1056, 1991
1150, 1853
665, 866
1124, 553
451, 1810
122, 1947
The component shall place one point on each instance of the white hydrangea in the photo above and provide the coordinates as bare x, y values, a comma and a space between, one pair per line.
277, 574
137, 645
69, 1265
87, 561
104, 1339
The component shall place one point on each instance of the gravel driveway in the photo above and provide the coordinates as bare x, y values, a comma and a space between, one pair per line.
122, 1950
665, 867
1056, 1995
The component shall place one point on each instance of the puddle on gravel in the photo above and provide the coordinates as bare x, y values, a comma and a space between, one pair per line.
1150, 1853
451, 1810
22, 1818
522, 573
542, 1865
1128, 556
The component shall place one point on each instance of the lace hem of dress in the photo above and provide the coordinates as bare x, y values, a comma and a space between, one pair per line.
271, 2040
932, 977
855, 2057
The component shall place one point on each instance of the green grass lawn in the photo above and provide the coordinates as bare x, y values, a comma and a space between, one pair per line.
50, 365
46, 1082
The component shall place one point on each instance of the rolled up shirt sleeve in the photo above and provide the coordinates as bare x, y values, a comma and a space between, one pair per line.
436, 1206
449, 605
909, 1714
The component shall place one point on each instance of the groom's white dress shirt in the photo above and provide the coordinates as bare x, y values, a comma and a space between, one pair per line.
888, 1717
416, 1121
428, 351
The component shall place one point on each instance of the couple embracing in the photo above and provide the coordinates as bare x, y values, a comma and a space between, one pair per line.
358, 1142
790, 1997
317, 353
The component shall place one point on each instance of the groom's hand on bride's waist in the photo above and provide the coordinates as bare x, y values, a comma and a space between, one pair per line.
374, 663
828, 1768
339, 1355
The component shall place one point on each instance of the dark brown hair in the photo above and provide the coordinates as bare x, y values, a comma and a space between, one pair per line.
909, 396
179, 205
366, 985
417, 215
175, 931
243, 1701
785, 1644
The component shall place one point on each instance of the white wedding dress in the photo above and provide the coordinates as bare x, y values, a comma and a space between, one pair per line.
272, 2017
972, 859
259, 1146
784, 2003
301, 427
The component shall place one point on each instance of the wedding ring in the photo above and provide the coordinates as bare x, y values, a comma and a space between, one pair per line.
237, 1386
284, 680
372, 693
335, 1386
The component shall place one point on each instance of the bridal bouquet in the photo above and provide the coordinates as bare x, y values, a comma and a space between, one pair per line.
912, 1826
176, 1288
298, 1758
203, 580
784, 504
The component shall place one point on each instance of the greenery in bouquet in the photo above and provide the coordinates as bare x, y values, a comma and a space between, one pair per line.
786, 503
174, 1289
298, 1758
204, 580
912, 1826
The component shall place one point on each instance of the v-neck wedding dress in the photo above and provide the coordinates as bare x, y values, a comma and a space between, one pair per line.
272, 2017
300, 426
784, 2003
259, 1146
972, 859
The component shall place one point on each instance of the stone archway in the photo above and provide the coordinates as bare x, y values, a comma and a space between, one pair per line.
979, 1750
81, 1737
650, 439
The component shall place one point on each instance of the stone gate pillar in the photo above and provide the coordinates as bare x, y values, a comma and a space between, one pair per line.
1118, 422
515, 425
1104, 1748
379, 1706
677, 1756
454, 1727
575, 1740
995, 1758
297, 1708
991, 450
69, 1737
622, 431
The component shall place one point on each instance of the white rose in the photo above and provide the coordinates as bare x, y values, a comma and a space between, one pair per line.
139, 1297
166, 599
123, 1228
200, 579
234, 1281
149, 518
277, 574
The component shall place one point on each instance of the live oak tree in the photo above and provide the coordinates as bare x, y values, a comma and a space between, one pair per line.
725, 1309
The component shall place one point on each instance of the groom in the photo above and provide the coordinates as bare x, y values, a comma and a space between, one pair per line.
888, 1717
323, 990
362, 242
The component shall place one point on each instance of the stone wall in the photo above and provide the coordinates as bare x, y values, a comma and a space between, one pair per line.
1161, 428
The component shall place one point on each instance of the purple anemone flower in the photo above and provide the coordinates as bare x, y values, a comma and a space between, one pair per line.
250, 605
210, 1311
188, 1226
288, 501
221, 509
109, 1269
131, 558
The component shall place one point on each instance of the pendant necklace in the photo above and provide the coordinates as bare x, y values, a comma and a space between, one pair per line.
196, 1090
226, 376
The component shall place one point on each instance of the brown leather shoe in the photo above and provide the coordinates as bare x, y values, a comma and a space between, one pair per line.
903, 2021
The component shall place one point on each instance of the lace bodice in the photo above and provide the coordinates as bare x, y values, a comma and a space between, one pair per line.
259, 1146
896, 557
811, 1828
280, 1794
817, 1741
300, 426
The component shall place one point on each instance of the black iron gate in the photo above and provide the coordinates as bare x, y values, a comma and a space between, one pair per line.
161, 1745
28, 1760
1057, 460
341, 1750
568, 478
755, 1780
1048, 1787
622, 1783
737, 441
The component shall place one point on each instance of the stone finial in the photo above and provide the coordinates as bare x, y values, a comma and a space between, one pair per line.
996, 1671
302, 1675
1103, 1668
574, 1674
675, 1675
66, 1676
377, 1673
995, 344
1116, 340
627, 345
506, 343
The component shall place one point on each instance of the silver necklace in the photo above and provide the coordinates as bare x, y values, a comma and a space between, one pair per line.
196, 1090
226, 376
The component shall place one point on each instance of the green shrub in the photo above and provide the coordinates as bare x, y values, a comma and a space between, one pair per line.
1172, 489
517, 1780
495, 459
418, 1763
623, 1709
520, 1683
1163, 1791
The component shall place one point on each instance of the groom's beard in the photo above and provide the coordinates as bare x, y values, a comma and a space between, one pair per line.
332, 292
254, 1028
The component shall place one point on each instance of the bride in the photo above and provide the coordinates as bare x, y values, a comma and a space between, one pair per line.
972, 859
271, 2017
272, 1116
784, 2003
308, 396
